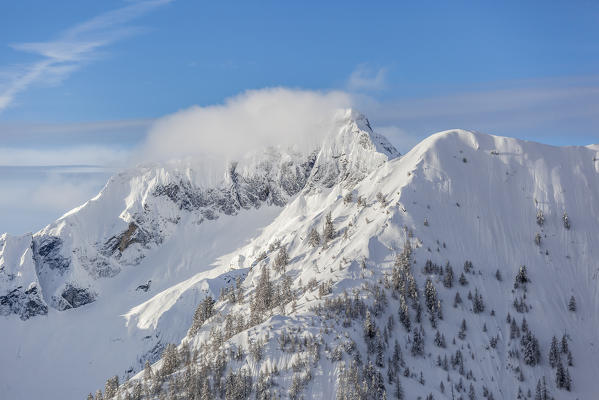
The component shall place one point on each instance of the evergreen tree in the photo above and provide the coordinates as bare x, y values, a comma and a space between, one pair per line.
471, 393
448, 277
565, 349
440, 340
462, 332
457, 300
478, 304
554, 358
111, 387
430, 294
514, 330
463, 281
567, 380
417, 343
560, 376
264, 293
370, 328
530, 348
148, 373
498, 275
397, 358
202, 313
170, 360
538, 394
404, 315
398, 391
329, 230
313, 238
521, 277
468, 266
572, 304
524, 325
281, 260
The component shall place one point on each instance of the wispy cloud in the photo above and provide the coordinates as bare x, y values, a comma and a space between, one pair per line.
71, 49
367, 78
71, 155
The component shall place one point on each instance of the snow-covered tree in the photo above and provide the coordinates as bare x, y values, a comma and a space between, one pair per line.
478, 304
111, 387
281, 260
448, 277
463, 328
202, 313
572, 304
530, 348
564, 346
430, 295
370, 328
404, 314
521, 277
554, 358
329, 230
417, 343
170, 360
313, 238
562, 377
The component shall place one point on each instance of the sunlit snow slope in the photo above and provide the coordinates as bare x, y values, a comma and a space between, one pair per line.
106, 286
457, 196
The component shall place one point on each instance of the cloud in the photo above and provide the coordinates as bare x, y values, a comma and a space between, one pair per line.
118, 133
245, 123
365, 78
41, 195
75, 46
71, 155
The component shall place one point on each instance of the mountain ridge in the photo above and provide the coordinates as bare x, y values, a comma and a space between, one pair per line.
457, 196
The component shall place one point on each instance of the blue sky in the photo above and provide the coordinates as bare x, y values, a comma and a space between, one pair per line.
81, 82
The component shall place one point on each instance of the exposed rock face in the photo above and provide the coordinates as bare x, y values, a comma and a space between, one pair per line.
138, 209
24, 303
76, 297
47, 250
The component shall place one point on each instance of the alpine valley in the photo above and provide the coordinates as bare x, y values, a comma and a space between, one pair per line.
465, 269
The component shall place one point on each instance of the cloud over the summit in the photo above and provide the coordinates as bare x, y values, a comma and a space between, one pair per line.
244, 123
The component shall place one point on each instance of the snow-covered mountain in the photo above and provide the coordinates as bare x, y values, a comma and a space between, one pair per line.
331, 275
142, 253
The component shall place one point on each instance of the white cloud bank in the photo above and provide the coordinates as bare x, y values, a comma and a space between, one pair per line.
245, 123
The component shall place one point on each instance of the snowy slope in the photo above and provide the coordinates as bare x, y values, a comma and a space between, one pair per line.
456, 196
106, 286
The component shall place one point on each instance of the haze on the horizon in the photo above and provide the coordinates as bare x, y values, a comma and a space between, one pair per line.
104, 83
